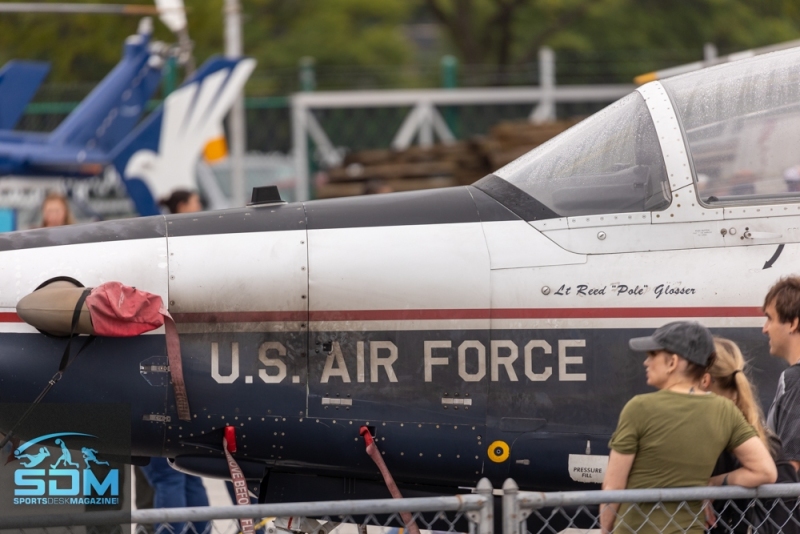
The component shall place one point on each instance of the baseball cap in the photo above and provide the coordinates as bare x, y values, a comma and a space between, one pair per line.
687, 339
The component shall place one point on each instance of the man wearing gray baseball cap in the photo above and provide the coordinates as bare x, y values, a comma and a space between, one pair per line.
673, 437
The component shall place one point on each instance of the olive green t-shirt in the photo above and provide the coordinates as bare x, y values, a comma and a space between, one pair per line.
677, 438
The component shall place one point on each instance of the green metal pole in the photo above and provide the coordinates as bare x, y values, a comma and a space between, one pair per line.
449, 65
449, 71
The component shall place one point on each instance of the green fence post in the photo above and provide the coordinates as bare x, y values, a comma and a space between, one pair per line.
449, 66
307, 74
449, 70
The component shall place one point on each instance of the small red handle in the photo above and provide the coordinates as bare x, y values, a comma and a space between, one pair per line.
367, 436
230, 438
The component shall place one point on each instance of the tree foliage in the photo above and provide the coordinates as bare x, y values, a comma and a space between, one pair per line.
504, 32
276, 32
369, 34
85, 47
334, 32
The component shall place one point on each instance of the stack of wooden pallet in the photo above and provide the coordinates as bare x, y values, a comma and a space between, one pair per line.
461, 163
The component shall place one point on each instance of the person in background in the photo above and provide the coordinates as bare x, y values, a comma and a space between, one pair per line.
673, 437
55, 211
782, 326
727, 378
174, 489
182, 201
144, 495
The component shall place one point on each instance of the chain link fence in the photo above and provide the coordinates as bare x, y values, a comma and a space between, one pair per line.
732, 509
768, 509
471, 513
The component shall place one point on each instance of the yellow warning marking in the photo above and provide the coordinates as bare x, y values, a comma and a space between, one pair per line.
215, 150
499, 451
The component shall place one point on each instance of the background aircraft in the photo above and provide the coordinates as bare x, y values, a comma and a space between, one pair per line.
79, 146
19, 81
160, 155
476, 331
163, 149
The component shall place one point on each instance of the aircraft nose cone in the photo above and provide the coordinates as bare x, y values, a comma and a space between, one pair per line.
51, 308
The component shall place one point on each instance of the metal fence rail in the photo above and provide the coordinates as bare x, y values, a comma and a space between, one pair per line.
730, 509
476, 509
768, 508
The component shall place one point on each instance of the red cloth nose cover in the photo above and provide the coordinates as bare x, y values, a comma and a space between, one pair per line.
118, 310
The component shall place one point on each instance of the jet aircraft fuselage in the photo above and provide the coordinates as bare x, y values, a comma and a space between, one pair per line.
476, 331
423, 316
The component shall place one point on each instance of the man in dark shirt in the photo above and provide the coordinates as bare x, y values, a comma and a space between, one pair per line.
782, 310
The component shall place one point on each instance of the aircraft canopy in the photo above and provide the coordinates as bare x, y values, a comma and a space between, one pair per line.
608, 163
741, 126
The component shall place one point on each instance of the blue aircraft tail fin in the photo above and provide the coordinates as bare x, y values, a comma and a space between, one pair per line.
115, 105
19, 81
160, 155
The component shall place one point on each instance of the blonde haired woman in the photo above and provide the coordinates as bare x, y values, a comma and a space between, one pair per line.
726, 377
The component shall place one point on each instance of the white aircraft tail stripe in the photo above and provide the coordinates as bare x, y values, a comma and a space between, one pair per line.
192, 115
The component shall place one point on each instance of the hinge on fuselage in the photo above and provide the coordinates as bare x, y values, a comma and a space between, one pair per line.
457, 402
156, 418
153, 368
337, 402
